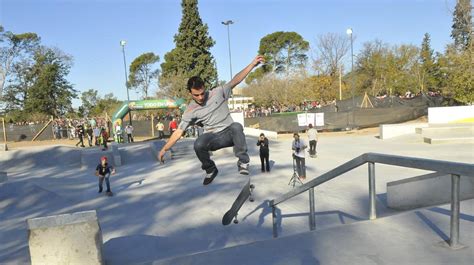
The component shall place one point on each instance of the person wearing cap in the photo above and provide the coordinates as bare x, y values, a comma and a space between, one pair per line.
264, 152
103, 171
298, 147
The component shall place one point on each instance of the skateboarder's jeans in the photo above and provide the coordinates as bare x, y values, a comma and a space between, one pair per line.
312, 147
230, 136
107, 182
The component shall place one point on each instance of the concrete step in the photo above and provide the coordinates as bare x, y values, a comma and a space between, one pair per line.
445, 127
416, 237
447, 139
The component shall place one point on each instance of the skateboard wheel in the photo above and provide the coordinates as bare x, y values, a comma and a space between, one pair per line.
252, 186
236, 221
251, 199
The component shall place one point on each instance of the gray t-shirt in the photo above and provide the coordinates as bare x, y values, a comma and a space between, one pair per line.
214, 114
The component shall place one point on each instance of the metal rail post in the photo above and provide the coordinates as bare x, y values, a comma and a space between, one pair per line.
312, 219
372, 206
454, 237
275, 232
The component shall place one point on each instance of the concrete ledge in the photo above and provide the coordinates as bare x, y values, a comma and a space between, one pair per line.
459, 140
256, 132
425, 190
3, 176
3, 147
387, 131
116, 155
65, 239
91, 158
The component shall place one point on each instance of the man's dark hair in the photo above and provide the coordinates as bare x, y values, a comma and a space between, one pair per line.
195, 82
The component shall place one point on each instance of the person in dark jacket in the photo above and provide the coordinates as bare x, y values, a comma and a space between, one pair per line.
264, 152
80, 134
103, 171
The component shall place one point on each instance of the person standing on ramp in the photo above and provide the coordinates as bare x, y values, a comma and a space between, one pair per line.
210, 109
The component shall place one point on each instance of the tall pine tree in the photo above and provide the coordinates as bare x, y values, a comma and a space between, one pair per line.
428, 69
191, 56
462, 24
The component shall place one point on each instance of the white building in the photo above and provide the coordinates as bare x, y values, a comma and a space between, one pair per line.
240, 102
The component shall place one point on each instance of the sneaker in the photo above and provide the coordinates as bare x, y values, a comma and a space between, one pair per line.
243, 168
100, 191
210, 177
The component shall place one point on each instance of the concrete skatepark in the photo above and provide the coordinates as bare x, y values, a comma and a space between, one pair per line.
161, 213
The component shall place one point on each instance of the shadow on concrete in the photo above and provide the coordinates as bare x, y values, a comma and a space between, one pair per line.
431, 225
145, 248
447, 212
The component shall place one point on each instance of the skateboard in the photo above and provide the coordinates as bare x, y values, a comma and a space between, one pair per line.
245, 193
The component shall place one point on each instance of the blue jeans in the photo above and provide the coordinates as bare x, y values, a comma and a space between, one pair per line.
107, 182
230, 136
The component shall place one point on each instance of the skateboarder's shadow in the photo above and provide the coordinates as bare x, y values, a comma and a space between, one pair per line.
266, 210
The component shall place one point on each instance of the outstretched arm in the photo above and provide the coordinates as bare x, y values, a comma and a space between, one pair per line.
242, 74
173, 139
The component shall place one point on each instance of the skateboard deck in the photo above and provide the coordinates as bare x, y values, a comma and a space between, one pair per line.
231, 214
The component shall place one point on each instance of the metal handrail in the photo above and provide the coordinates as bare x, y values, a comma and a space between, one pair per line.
455, 169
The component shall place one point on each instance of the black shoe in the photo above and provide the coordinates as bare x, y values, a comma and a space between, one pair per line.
210, 177
100, 191
243, 168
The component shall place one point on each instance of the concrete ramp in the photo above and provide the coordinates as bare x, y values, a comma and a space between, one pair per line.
90, 158
19, 201
22, 198
136, 153
40, 157
412, 238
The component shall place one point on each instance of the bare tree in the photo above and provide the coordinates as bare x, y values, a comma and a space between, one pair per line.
330, 50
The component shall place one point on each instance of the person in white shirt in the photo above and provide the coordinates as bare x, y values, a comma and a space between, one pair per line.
313, 140
298, 146
161, 129
129, 132
96, 135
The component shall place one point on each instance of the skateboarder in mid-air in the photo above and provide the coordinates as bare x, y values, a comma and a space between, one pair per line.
210, 109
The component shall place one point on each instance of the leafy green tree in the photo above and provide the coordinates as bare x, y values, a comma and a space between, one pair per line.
457, 71
109, 103
50, 93
142, 73
380, 68
462, 24
16, 90
283, 52
89, 100
191, 56
13, 47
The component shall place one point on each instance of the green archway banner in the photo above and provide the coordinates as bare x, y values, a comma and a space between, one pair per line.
145, 105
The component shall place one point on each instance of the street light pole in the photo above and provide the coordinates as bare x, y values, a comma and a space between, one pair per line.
228, 23
122, 43
349, 32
